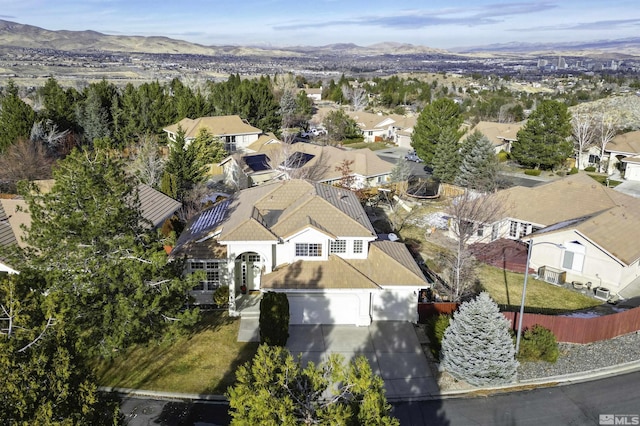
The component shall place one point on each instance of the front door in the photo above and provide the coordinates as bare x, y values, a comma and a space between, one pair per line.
247, 271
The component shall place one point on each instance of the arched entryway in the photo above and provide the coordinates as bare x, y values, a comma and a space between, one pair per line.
247, 271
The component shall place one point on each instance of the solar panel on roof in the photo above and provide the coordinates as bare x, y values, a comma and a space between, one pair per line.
210, 218
258, 162
297, 160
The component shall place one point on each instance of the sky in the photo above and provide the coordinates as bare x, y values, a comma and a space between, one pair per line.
280, 23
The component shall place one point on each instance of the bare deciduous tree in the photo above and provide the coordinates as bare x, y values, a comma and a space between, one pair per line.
607, 127
469, 214
357, 96
24, 160
148, 163
583, 131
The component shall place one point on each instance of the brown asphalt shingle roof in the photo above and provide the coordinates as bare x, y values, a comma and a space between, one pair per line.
627, 142
155, 206
568, 198
13, 214
497, 133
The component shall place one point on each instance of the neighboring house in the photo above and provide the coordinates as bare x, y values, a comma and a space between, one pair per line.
155, 206
598, 227
376, 127
501, 135
275, 160
314, 94
313, 242
12, 216
623, 152
233, 131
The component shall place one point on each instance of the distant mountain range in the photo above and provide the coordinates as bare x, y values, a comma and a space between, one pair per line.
15, 35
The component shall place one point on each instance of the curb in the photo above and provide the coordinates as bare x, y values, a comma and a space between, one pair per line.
563, 380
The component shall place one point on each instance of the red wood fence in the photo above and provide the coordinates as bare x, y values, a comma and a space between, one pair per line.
566, 329
582, 330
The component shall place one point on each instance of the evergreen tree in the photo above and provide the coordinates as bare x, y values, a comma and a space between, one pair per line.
113, 283
58, 104
340, 126
477, 346
187, 163
43, 377
441, 117
544, 141
274, 388
94, 118
401, 171
16, 117
446, 157
479, 167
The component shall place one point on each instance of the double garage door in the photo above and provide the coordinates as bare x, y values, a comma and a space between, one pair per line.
327, 308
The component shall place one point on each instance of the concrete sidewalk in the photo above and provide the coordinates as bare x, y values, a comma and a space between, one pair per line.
392, 348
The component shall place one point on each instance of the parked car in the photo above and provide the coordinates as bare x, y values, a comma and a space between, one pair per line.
412, 156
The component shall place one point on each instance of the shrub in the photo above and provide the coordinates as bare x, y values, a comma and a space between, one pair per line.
435, 328
538, 343
590, 169
477, 347
274, 319
221, 295
532, 172
573, 171
503, 156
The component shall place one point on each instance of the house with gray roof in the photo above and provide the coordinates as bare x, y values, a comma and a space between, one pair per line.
309, 240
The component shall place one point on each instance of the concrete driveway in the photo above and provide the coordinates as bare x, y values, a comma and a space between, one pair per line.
392, 348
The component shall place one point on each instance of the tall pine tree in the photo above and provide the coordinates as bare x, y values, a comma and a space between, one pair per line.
479, 167
441, 117
16, 117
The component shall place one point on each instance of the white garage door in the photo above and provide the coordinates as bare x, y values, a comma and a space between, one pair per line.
395, 305
324, 309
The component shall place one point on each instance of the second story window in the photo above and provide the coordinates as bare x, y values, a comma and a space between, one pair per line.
308, 250
338, 246
357, 246
230, 143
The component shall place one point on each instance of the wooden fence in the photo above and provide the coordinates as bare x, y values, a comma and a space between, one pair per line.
566, 329
582, 330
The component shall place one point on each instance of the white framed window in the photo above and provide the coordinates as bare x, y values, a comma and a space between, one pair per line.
213, 274
358, 246
513, 229
308, 249
230, 143
338, 246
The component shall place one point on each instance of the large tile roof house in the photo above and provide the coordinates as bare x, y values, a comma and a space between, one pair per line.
313, 242
233, 131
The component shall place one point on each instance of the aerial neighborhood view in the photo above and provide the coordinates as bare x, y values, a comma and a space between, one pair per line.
338, 213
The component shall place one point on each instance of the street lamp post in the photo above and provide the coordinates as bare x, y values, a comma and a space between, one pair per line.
524, 287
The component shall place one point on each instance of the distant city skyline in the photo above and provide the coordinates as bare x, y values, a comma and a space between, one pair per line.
282, 23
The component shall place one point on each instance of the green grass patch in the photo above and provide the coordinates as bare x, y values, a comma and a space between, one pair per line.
373, 146
603, 180
506, 289
203, 362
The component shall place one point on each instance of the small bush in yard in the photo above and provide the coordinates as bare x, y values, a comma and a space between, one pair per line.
435, 328
532, 172
590, 169
538, 343
221, 296
573, 171
274, 319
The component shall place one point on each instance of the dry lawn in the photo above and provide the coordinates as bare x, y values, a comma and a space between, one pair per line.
203, 362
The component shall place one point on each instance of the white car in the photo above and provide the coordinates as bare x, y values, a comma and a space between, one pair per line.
413, 156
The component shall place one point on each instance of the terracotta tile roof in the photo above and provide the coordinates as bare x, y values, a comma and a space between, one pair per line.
218, 125
627, 142
567, 198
